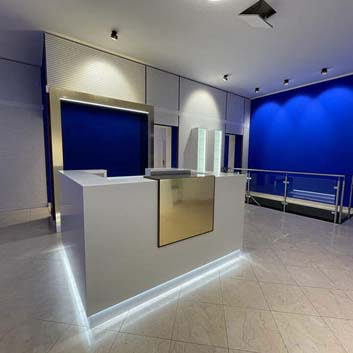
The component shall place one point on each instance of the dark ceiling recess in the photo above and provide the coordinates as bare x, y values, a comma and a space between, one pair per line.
258, 14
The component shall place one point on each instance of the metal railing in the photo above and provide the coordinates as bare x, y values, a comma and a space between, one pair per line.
350, 198
324, 189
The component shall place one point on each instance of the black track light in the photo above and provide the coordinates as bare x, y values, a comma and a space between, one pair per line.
324, 71
114, 34
257, 90
226, 77
286, 82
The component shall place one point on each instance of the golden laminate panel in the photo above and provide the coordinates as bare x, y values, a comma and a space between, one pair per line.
186, 208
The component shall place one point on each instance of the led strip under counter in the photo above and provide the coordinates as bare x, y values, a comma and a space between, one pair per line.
130, 261
197, 277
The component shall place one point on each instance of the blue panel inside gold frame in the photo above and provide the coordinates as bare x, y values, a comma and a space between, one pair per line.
97, 137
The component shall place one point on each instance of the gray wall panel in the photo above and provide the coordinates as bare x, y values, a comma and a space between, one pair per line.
235, 114
22, 161
163, 93
247, 114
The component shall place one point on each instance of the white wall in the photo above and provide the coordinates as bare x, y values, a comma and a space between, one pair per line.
178, 101
22, 46
22, 161
200, 106
162, 91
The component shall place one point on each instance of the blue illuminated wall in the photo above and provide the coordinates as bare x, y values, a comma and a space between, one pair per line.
175, 143
307, 129
104, 138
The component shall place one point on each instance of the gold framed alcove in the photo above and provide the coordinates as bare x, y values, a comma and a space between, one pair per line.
56, 96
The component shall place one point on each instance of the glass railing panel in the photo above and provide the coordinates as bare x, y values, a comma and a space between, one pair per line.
312, 188
350, 197
267, 183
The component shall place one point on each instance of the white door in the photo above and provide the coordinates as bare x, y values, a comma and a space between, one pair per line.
231, 152
162, 146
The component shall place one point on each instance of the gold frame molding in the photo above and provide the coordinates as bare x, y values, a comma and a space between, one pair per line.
56, 95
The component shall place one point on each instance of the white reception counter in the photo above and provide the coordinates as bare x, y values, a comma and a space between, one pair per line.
109, 229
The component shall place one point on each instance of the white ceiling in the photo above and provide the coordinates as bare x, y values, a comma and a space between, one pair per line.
204, 39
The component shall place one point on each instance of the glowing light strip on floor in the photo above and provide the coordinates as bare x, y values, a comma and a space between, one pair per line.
75, 293
137, 303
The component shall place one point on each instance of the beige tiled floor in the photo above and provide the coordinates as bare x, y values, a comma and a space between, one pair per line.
292, 292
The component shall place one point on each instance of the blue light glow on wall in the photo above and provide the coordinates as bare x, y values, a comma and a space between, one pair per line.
309, 129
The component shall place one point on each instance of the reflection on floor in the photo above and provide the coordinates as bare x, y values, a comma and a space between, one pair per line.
291, 292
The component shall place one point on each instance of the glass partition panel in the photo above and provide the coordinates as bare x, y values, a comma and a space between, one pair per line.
312, 188
267, 183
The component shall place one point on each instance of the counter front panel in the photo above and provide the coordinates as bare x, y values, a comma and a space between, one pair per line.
186, 207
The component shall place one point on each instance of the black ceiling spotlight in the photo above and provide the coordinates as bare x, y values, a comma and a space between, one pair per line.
324, 71
257, 90
258, 14
226, 77
114, 34
286, 82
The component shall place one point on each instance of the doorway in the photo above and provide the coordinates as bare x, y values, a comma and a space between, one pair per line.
233, 151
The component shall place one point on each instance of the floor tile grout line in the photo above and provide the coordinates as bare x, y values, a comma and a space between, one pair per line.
175, 317
198, 302
292, 312
124, 320
58, 339
310, 301
171, 340
140, 335
274, 319
200, 344
333, 334
223, 309
319, 315
60, 322
118, 334
113, 342
326, 276
323, 316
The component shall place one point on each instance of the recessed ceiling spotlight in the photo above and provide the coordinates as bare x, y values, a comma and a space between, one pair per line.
286, 82
324, 71
226, 77
114, 34
257, 90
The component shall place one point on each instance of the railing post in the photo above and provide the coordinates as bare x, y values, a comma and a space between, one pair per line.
342, 200
337, 187
248, 179
285, 195
350, 198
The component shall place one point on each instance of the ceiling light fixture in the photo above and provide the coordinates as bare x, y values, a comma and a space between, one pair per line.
114, 34
286, 82
258, 14
257, 90
324, 71
226, 77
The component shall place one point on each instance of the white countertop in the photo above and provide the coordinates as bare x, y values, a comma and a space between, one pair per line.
85, 178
